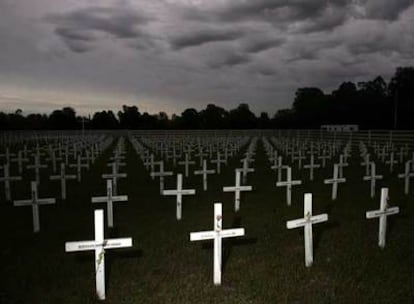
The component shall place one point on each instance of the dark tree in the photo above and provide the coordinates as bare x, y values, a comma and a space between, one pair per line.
308, 107
190, 119
214, 117
242, 118
263, 121
401, 89
104, 120
64, 119
375, 107
129, 117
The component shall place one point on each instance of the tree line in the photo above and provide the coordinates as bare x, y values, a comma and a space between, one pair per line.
373, 104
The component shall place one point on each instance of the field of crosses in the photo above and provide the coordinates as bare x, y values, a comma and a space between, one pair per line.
205, 218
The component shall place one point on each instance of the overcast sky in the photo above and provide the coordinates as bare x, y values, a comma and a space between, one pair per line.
169, 55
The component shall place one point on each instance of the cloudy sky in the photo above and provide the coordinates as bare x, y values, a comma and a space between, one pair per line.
168, 55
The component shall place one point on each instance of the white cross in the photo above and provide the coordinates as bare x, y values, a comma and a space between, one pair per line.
342, 163
149, 163
217, 234
391, 161
218, 162
366, 163
36, 166
307, 222
401, 154
52, 158
204, 172
109, 199
7, 179
114, 176
35, 202
7, 155
372, 177
99, 245
324, 157
62, 177
311, 166
237, 189
288, 184
20, 159
382, 214
186, 164
334, 181
78, 167
406, 176
300, 157
245, 169
161, 174
179, 192
201, 155
279, 166
382, 154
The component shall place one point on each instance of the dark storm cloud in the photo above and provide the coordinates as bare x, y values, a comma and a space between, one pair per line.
229, 59
386, 9
77, 27
259, 45
222, 50
71, 34
274, 11
198, 38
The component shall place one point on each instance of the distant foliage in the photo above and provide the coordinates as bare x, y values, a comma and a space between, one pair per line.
372, 105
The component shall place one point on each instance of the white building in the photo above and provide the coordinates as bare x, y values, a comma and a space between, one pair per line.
340, 128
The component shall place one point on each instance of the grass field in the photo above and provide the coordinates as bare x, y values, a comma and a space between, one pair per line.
163, 266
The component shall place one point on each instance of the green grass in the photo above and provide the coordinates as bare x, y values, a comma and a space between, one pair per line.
264, 266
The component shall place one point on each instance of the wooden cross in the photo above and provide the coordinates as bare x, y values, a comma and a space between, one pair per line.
288, 184
37, 166
382, 214
372, 177
179, 192
307, 221
109, 199
217, 234
311, 166
406, 176
237, 189
99, 245
35, 201
7, 179
204, 172
334, 181
161, 174
186, 163
62, 177
114, 176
